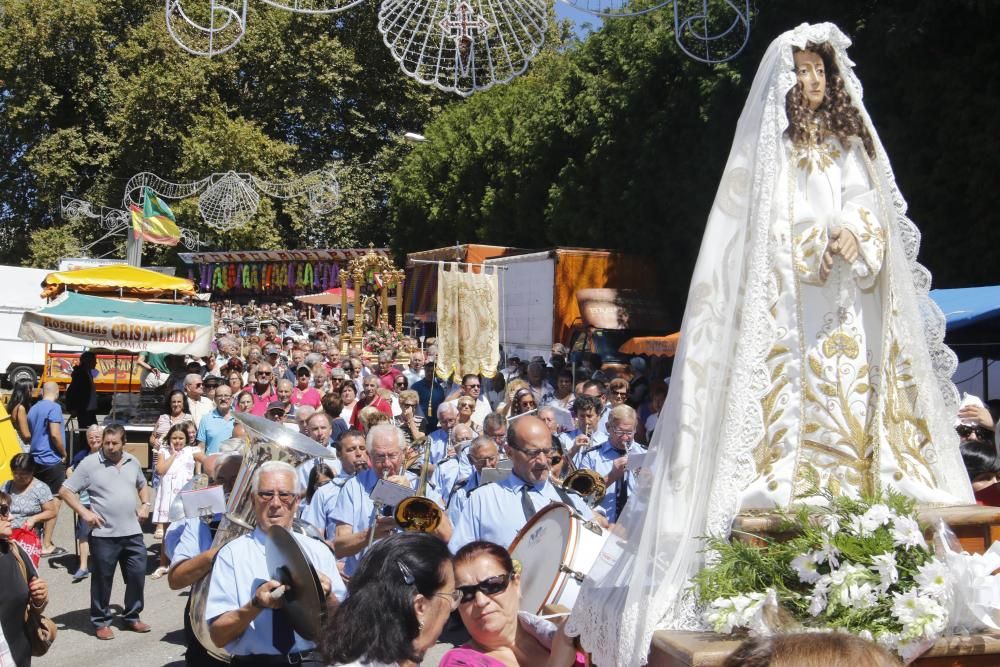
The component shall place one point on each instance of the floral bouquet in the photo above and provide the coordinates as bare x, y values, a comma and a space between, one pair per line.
377, 341
858, 565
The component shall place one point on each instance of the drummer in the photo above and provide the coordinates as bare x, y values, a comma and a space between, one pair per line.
355, 511
496, 512
243, 617
611, 457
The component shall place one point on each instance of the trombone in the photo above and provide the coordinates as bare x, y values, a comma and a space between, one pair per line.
588, 483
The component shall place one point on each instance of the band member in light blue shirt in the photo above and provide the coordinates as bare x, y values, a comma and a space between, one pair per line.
497, 512
353, 458
243, 618
483, 453
610, 460
355, 512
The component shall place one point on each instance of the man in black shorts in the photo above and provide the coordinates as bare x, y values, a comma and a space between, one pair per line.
45, 421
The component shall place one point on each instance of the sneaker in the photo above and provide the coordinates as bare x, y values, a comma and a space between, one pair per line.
80, 575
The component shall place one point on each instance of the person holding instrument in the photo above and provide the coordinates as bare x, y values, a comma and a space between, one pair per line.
355, 515
245, 606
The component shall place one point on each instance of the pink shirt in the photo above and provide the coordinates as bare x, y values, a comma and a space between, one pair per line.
308, 396
260, 402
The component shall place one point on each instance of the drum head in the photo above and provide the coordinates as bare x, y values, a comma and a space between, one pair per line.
540, 547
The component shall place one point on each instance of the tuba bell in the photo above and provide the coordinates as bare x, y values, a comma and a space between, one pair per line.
588, 483
419, 514
266, 441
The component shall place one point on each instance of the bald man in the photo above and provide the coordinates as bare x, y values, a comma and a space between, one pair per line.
497, 511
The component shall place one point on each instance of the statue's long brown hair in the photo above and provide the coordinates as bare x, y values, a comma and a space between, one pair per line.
837, 114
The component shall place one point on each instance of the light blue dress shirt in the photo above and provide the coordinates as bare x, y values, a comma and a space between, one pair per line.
459, 496
567, 438
445, 475
172, 537
304, 468
319, 511
601, 460
494, 512
240, 568
354, 507
193, 538
439, 445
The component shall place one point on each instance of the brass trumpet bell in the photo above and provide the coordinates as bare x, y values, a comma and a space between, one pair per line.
587, 483
418, 514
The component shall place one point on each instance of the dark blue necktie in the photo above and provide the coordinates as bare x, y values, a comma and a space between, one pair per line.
282, 634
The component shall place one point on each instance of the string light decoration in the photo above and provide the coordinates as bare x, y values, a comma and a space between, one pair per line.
465, 46
229, 200
114, 221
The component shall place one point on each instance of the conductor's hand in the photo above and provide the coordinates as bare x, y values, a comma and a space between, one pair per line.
263, 595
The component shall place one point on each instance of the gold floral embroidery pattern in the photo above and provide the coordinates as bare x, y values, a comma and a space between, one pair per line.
769, 449
850, 456
872, 234
907, 434
815, 155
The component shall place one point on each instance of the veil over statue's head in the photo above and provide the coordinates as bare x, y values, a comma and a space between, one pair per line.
789, 383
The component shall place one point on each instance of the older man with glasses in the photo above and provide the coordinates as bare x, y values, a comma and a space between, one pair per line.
496, 512
199, 404
217, 426
243, 616
611, 460
262, 389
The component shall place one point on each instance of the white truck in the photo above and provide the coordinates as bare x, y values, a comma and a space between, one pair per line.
20, 291
590, 300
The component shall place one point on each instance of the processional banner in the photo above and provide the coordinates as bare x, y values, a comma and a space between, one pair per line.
468, 324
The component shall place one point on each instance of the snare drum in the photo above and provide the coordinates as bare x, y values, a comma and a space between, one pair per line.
556, 549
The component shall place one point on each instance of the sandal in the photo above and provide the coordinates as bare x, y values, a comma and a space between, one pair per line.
158, 535
160, 571
55, 551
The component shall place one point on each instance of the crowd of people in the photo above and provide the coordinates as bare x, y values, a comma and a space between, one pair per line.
494, 451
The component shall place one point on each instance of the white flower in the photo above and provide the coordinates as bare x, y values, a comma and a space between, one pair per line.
853, 586
805, 566
739, 611
906, 533
921, 616
885, 565
934, 578
858, 526
830, 524
876, 516
827, 553
817, 601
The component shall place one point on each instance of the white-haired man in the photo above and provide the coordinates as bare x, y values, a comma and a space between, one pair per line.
483, 453
355, 511
610, 460
199, 404
243, 617
440, 440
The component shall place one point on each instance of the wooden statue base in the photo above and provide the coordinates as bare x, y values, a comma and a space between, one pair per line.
976, 527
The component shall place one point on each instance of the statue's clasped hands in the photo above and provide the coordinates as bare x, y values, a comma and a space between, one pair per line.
842, 242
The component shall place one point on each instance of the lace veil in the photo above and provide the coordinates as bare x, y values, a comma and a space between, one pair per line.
700, 458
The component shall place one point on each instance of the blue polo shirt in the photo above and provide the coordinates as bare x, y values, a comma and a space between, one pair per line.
41, 414
214, 428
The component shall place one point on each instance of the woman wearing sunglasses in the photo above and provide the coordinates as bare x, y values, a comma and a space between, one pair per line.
17, 591
490, 590
398, 602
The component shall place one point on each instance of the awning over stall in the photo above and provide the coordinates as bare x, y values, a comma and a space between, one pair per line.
117, 280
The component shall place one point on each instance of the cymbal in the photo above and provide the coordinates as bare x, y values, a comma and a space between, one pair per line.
304, 599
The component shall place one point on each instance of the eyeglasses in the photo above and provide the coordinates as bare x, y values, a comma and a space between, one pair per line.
623, 432
555, 459
489, 587
4, 510
462, 406
263, 374
409, 405
533, 453
380, 458
286, 497
453, 597
222, 397
619, 393
472, 386
196, 384
485, 461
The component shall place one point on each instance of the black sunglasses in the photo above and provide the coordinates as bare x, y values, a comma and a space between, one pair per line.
489, 587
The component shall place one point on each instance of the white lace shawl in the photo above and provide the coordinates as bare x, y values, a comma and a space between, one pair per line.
700, 458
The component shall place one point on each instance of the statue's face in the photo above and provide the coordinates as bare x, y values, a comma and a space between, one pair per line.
811, 73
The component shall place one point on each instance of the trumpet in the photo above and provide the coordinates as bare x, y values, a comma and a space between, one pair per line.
419, 514
588, 483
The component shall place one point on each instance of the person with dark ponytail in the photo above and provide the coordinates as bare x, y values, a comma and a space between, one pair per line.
398, 602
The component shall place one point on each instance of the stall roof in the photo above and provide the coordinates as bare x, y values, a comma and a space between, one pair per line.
973, 320
115, 278
249, 256
116, 324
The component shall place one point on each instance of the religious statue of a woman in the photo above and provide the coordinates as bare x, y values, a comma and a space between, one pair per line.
811, 360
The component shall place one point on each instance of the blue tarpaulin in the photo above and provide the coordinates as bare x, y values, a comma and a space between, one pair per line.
973, 320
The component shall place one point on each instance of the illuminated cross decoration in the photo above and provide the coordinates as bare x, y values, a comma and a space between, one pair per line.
462, 26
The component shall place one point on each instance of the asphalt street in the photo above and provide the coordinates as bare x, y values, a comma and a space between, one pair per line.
69, 607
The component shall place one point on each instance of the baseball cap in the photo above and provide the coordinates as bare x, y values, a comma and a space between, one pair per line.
213, 379
275, 405
271, 349
337, 374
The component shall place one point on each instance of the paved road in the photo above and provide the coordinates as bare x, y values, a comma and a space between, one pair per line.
69, 607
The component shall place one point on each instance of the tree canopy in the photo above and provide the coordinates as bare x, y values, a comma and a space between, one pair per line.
620, 142
95, 91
